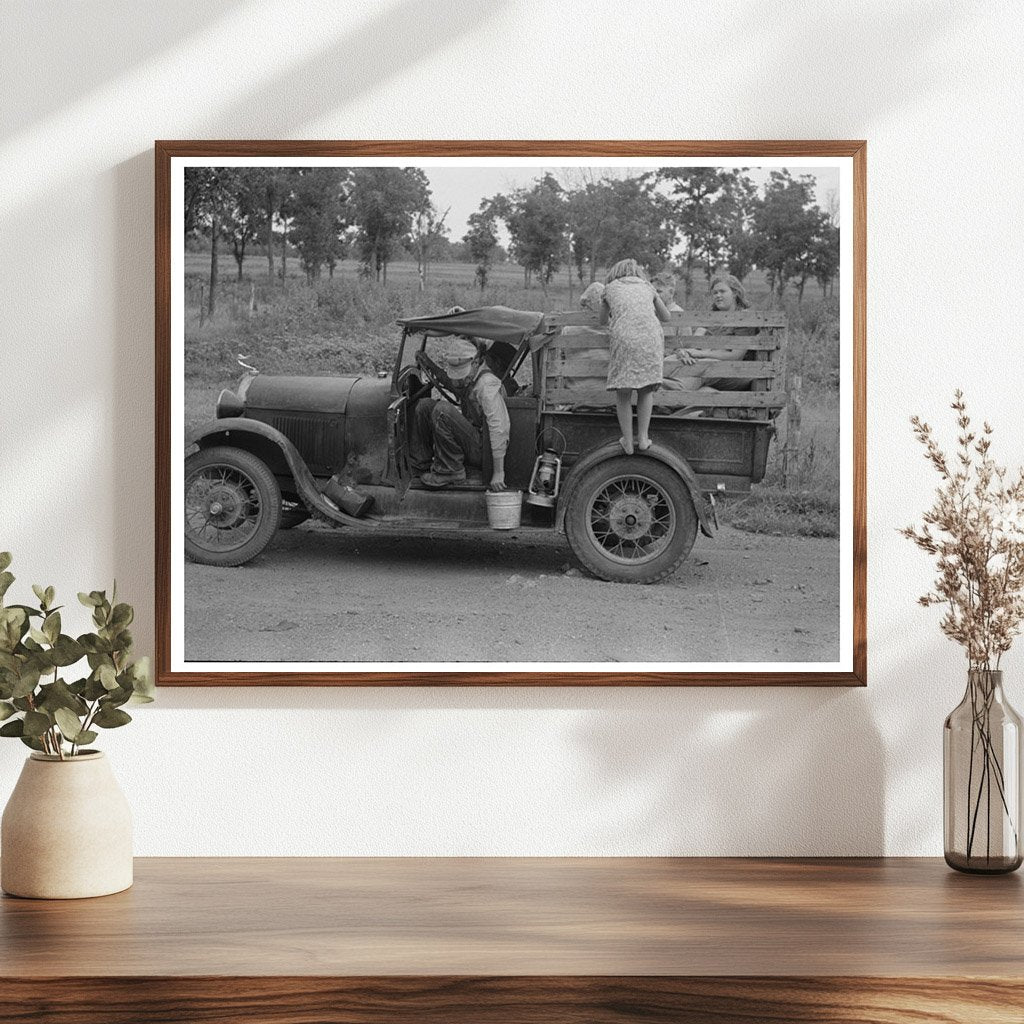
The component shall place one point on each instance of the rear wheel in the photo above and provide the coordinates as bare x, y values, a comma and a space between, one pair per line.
631, 520
232, 506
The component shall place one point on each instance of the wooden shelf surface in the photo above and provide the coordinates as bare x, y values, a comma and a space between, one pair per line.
392, 929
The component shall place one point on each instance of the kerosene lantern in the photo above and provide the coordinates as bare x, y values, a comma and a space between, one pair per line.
547, 475
547, 470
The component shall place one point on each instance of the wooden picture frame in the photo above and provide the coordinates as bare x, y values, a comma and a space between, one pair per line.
849, 157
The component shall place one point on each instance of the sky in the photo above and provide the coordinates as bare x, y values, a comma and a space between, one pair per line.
460, 189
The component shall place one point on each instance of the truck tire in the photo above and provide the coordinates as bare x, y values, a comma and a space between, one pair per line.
631, 520
232, 506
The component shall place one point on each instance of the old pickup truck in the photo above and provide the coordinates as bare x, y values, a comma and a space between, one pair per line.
277, 442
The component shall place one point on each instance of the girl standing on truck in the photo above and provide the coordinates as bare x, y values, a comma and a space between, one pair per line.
636, 348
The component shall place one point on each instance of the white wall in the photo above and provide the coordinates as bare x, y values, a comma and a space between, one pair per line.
936, 89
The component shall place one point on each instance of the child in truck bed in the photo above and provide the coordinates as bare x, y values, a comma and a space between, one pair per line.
636, 342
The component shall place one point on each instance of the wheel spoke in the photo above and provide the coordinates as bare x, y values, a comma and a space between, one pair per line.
222, 507
631, 519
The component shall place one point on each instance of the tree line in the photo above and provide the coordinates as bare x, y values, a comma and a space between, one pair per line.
719, 216
692, 220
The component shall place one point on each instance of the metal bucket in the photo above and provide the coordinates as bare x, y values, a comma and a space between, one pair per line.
504, 509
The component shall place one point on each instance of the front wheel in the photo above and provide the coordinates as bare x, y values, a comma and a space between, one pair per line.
232, 506
631, 520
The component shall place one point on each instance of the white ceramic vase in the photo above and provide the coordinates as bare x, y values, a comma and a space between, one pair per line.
66, 831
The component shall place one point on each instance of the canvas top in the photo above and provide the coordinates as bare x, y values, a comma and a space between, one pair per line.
492, 323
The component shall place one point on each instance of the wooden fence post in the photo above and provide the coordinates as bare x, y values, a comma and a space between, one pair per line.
791, 449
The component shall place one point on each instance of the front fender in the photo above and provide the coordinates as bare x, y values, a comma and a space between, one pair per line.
278, 452
656, 451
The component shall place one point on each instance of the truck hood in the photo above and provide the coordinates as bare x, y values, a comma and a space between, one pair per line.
300, 394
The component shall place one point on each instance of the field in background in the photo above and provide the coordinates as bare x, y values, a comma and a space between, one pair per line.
346, 324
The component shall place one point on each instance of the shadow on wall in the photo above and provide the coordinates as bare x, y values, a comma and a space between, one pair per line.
364, 59
132, 427
925, 681
738, 771
93, 44
693, 771
809, 60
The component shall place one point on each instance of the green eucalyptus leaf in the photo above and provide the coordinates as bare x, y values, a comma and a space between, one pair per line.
141, 669
94, 644
111, 718
115, 698
5, 559
51, 626
38, 635
9, 663
50, 595
27, 681
89, 600
69, 724
40, 593
30, 612
31, 741
13, 625
67, 651
6, 579
94, 689
122, 616
36, 723
107, 676
86, 736
142, 679
22, 703
6, 710
14, 728
59, 695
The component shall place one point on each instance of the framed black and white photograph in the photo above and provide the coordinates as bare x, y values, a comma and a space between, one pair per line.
490, 413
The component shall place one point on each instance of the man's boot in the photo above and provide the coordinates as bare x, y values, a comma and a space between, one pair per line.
435, 481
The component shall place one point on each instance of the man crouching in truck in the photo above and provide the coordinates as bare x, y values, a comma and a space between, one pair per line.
446, 438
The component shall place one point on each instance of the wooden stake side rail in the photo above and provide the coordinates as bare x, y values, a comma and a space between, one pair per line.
597, 366
599, 339
318, 940
575, 358
592, 397
686, 319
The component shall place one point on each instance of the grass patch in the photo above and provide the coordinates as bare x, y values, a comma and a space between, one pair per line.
808, 504
783, 513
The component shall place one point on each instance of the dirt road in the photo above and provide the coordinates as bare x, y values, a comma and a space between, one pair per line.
330, 595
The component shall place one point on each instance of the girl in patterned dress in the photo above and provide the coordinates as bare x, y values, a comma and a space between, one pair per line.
636, 348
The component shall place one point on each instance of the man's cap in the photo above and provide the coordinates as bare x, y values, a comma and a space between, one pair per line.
459, 357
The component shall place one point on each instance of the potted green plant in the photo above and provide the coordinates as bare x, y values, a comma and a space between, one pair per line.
975, 532
66, 830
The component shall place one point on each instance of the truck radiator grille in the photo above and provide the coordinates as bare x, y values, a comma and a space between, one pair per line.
318, 439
